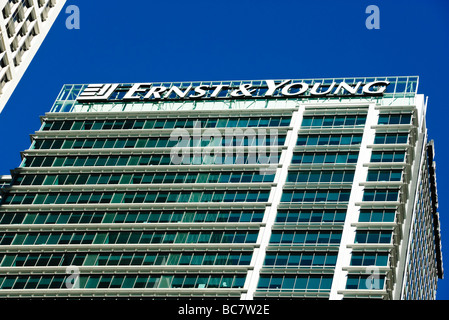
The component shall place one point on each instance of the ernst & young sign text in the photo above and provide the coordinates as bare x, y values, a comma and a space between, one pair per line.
267, 89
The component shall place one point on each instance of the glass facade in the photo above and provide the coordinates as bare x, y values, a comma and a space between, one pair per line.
250, 199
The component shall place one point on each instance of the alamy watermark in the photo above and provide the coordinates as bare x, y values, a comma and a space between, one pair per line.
373, 281
236, 146
72, 281
73, 20
373, 20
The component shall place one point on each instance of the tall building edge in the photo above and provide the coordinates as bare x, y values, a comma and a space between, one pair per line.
423, 173
23, 26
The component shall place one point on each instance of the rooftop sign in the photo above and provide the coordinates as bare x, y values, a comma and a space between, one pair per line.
263, 89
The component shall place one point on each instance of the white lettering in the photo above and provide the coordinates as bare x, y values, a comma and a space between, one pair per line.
243, 91
382, 86
147, 91
217, 90
314, 90
286, 89
201, 91
348, 88
138, 87
195, 310
272, 87
178, 92
156, 92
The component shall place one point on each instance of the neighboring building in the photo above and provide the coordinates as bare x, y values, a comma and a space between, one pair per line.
320, 189
24, 25
4, 182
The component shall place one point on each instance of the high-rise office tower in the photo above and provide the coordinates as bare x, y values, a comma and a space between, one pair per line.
315, 188
24, 24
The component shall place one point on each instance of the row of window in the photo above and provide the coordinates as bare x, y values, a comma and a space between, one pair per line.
349, 139
321, 176
312, 237
127, 237
153, 160
310, 216
324, 157
243, 158
123, 281
136, 197
373, 236
272, 259
377, 215
365, 282
328, 139
158, 142
337, 195
312, 121
300, 282
345, 157
381, 195
369, 259
300, 259
384, 175
401, 118
317, 282
153, 216
387, 156
333, 120
124, 259
243, 122
267, 282
142, 178
174, 216
390, 138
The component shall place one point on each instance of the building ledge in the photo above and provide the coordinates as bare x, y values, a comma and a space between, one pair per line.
111, 293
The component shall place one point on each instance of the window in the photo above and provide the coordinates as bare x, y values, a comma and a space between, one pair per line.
370, 282
324, 157
135, 124
124, 281
310, 216
316, 195
384, 175
305, 237
328, 139
300, 259
377, 215
369, 259
139, 197
391, 138
133, 216
315, 176
373, 236
395, 118
381, 195
165, 159
388, 156
295, 282
333, 120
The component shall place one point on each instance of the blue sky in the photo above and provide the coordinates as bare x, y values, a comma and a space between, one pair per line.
238, 40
